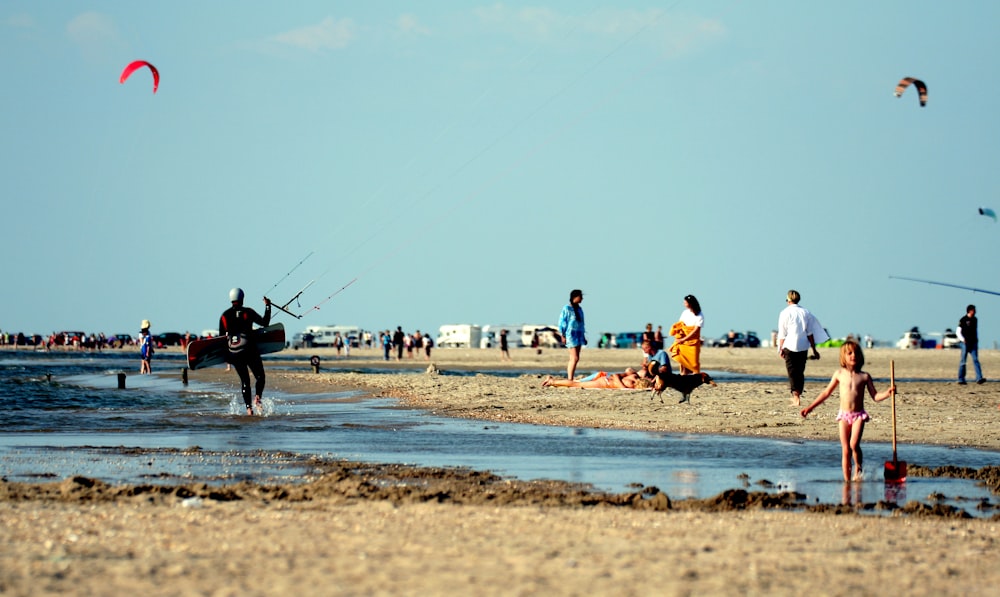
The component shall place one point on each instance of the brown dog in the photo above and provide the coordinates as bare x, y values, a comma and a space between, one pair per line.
685, 384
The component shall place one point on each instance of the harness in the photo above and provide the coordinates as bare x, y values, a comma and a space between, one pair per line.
238, 338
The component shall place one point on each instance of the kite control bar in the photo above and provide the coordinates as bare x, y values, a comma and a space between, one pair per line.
284, 308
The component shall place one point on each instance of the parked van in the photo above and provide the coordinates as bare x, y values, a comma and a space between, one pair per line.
910, 339
491, 336
322, 335
547, 336
459, 336
626, 340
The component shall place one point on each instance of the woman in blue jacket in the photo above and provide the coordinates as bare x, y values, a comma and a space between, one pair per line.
572, 330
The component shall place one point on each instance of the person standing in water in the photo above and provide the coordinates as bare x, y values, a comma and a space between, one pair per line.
851, 417
572, 330
145, 349
237, 324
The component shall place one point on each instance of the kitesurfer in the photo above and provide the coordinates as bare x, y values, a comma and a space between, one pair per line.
237, 324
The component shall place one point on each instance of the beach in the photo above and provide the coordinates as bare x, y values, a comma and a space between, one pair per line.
394, 530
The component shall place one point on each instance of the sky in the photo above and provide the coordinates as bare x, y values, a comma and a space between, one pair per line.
420, 164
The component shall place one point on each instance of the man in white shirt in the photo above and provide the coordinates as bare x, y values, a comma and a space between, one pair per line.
798, 331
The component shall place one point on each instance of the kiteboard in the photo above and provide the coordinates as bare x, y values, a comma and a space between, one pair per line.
213, 351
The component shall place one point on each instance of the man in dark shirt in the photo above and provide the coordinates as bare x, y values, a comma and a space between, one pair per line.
237, 324
968, 333
397, 340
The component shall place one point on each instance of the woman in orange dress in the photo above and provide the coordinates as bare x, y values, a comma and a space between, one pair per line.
686, 349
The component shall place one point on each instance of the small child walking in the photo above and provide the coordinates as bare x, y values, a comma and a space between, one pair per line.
852, 416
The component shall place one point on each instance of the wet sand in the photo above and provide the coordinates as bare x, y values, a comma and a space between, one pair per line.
390, 529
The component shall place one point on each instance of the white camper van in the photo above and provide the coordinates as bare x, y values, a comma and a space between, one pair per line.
459, 336
323, 334
491, 336
547, 336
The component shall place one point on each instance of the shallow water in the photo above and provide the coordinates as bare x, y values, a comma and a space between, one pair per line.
79, 423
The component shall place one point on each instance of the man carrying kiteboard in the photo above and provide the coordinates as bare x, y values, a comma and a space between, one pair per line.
236, 324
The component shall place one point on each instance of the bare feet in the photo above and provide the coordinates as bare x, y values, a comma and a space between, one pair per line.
249, 411
796, 401
258, 405
547, 382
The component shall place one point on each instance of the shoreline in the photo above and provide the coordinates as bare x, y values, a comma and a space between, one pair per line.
387, 529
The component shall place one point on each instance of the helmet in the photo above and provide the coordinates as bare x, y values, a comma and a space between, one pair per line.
236, 295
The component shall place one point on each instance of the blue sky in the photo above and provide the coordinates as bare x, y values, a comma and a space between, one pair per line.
455, 162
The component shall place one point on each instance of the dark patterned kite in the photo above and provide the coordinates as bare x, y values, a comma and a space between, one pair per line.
906, 81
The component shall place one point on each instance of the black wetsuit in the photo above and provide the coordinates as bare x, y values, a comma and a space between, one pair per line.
237, 324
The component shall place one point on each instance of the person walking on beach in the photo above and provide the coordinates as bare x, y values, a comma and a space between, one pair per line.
386, 343
968, 335
686, 349
504, 346
398, 337
798, 331
237, 324
572, 330
145, 349
852, 416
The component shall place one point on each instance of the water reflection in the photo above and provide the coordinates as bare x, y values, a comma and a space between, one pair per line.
895, 493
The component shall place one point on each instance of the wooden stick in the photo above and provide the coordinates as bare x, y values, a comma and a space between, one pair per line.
892, 382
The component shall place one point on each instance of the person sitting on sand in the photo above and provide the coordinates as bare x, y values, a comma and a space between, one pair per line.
629, 380
653, 355
852, 416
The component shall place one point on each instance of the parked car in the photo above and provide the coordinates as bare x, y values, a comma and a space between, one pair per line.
910, 339
950, 340
120, 340
626, 340
302, 340
738, 340
170, 339
66, 338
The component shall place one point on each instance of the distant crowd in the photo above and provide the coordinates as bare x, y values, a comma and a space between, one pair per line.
75, 341
400, 342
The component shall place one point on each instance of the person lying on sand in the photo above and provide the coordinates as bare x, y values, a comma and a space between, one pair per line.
628, 380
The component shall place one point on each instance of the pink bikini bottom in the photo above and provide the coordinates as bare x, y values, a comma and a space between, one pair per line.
851, 417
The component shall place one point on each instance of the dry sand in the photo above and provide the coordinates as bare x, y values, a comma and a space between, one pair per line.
369, 529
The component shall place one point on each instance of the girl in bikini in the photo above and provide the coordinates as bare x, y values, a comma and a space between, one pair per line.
852, 416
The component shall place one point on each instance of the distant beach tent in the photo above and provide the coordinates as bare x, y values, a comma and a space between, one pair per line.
133, 66
985, 211
906, 82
